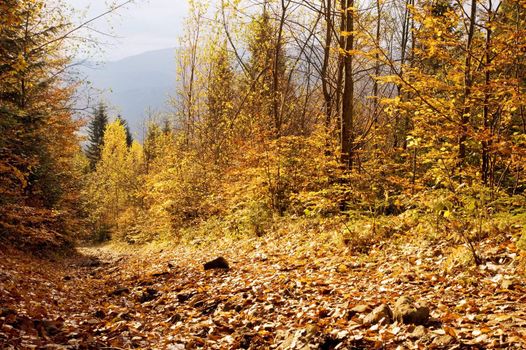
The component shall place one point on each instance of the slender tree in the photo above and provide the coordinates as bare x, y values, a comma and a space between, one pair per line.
96, 130
129, 137
348, 110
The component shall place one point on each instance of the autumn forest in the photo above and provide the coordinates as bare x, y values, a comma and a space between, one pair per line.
328, 174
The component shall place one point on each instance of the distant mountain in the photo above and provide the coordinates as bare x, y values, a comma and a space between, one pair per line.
134, 84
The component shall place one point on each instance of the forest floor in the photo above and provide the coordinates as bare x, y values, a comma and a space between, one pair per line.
279, 293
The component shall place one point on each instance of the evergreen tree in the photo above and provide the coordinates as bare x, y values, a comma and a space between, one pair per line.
150, 152
38, 142
96, 131
129, 137
29, 133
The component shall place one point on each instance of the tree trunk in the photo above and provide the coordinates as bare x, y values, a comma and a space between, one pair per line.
276, 88
325, 68
376, 96
486, 140
465, 118
347, 120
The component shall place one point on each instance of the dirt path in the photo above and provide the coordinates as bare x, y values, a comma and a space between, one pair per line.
277, 294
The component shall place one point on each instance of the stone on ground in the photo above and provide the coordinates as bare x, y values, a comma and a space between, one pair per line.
381, 314
218, 263
407, 311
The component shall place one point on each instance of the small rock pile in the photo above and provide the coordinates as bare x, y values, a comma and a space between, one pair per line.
405, 310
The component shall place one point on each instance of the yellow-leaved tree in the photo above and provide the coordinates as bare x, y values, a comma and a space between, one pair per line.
111, 193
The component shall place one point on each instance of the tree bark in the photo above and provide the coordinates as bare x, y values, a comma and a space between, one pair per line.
347, 119
325, 68
465, 118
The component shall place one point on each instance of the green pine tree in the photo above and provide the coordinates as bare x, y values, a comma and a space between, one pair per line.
96, 131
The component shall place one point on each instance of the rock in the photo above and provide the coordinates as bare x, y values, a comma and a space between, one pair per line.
269, 308
51, 329
380, 314
407, 311
360, 308
219, 263
443, 340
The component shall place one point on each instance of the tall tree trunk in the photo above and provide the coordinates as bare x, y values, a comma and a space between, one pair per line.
465, 118
401, 127
325, 67
486, 141
347, 120
376, 96
276, 88
339, 76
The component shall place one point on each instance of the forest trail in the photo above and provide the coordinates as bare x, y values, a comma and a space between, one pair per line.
360, 166
277, 294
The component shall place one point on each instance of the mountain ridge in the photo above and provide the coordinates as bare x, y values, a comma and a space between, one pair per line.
134, 84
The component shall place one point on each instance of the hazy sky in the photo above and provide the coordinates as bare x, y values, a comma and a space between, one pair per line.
142, 26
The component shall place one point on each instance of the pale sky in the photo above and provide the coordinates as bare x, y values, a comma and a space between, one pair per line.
144, 25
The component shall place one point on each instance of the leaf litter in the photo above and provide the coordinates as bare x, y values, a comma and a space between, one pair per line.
277, 294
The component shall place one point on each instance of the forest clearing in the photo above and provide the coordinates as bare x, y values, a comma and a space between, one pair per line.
325, 174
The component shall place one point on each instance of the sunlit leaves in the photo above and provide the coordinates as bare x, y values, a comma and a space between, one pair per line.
114, 185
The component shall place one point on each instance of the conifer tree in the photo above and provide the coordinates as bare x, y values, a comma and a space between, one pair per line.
37, 133
150, 143
96, 131
32, 101
129, 137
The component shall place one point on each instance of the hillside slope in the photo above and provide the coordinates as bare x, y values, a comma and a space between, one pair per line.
134, 84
